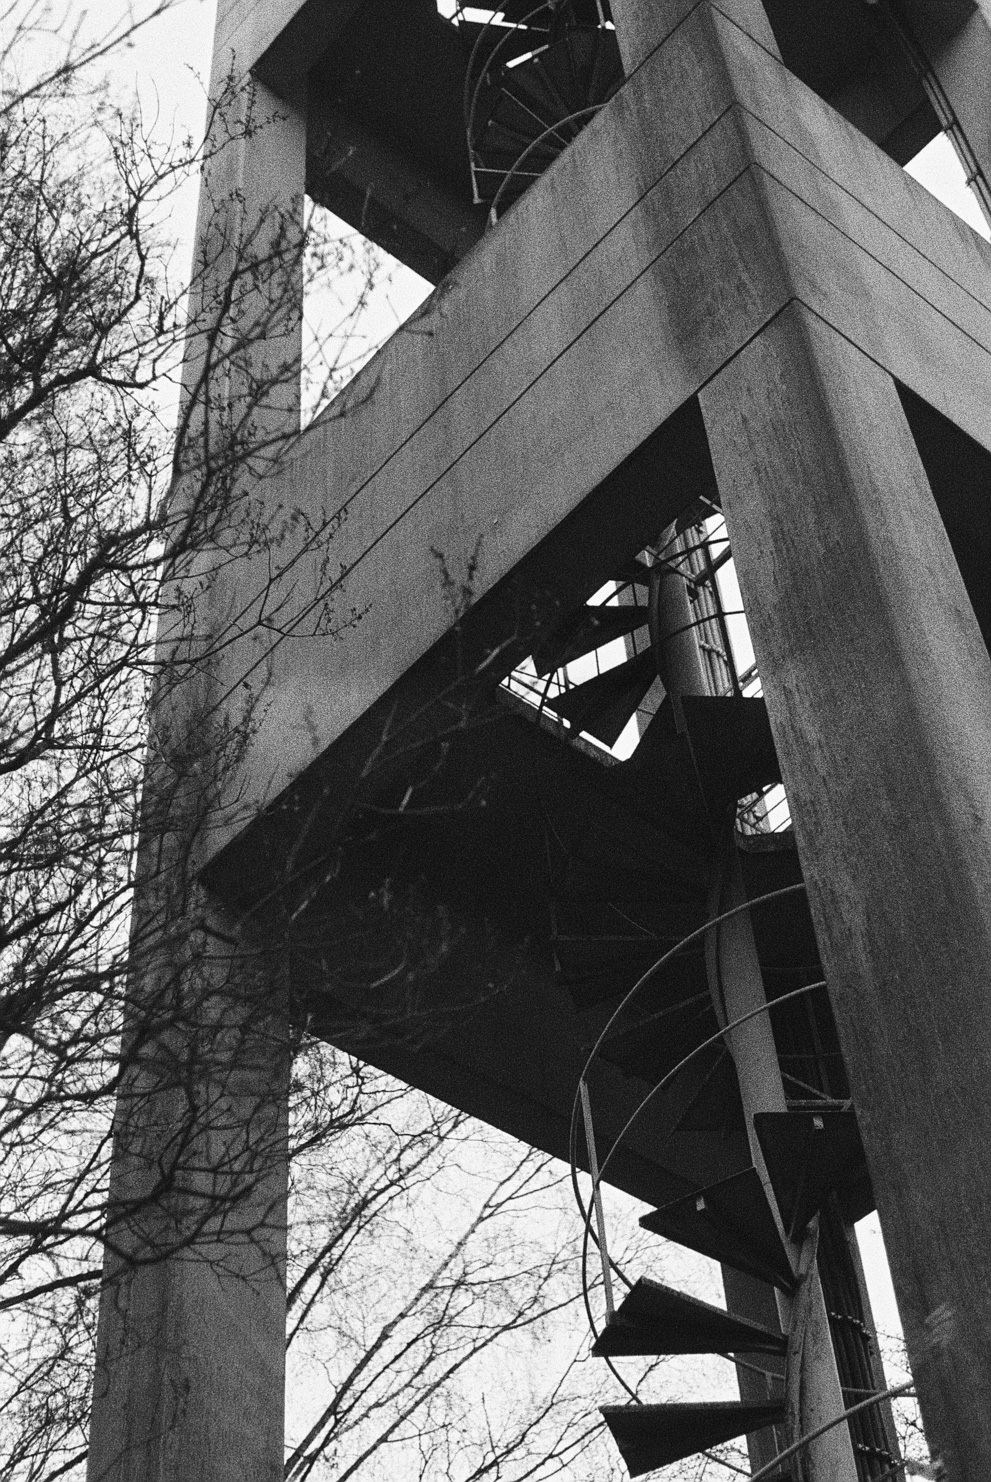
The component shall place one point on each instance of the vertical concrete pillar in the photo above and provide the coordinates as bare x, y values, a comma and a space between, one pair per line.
190, 1371
641, 25
245, 308
878, 686
191, 1343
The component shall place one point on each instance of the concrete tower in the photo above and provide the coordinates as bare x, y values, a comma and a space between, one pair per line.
681, 279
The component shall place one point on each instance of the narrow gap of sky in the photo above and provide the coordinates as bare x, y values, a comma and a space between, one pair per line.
938, 168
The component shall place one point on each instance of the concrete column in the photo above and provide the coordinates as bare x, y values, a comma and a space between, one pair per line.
190, 1372
245, 312
239, 418
191, 1343
878, 686
641, 25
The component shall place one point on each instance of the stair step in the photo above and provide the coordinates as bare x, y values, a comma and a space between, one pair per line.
621, 837
783, 932
650, 1436
613, 833
810, 1155
615, 892
603, 705
509, 46
732, 746
655, 1319
726, 754
715, 1105
632, 571
599, 899
661, 1008
729, 1221
660, 779
585, 631
579, 68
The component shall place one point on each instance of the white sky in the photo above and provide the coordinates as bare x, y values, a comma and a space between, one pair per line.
167, 68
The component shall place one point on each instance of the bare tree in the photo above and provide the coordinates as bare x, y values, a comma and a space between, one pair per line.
401, 1305
413, 1265
109, 533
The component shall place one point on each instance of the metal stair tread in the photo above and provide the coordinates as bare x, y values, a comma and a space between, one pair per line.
650, 1436
584, 632
603, 705
729, 1221
656, 1319
810, 1155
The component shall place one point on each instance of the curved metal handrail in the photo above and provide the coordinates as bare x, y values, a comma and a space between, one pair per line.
471, 94
483, 61
587, 1212
514, 170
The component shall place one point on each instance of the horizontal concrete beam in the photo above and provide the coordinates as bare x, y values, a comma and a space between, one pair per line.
278, 39
363, 179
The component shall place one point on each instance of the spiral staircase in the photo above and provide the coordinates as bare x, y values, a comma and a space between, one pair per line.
536, 76
711, 759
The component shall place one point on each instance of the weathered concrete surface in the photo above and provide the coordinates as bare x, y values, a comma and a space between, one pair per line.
296, 31
644, 25
681, 245
863, 244
190, 1369
548, 356
878, 684
961, 61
